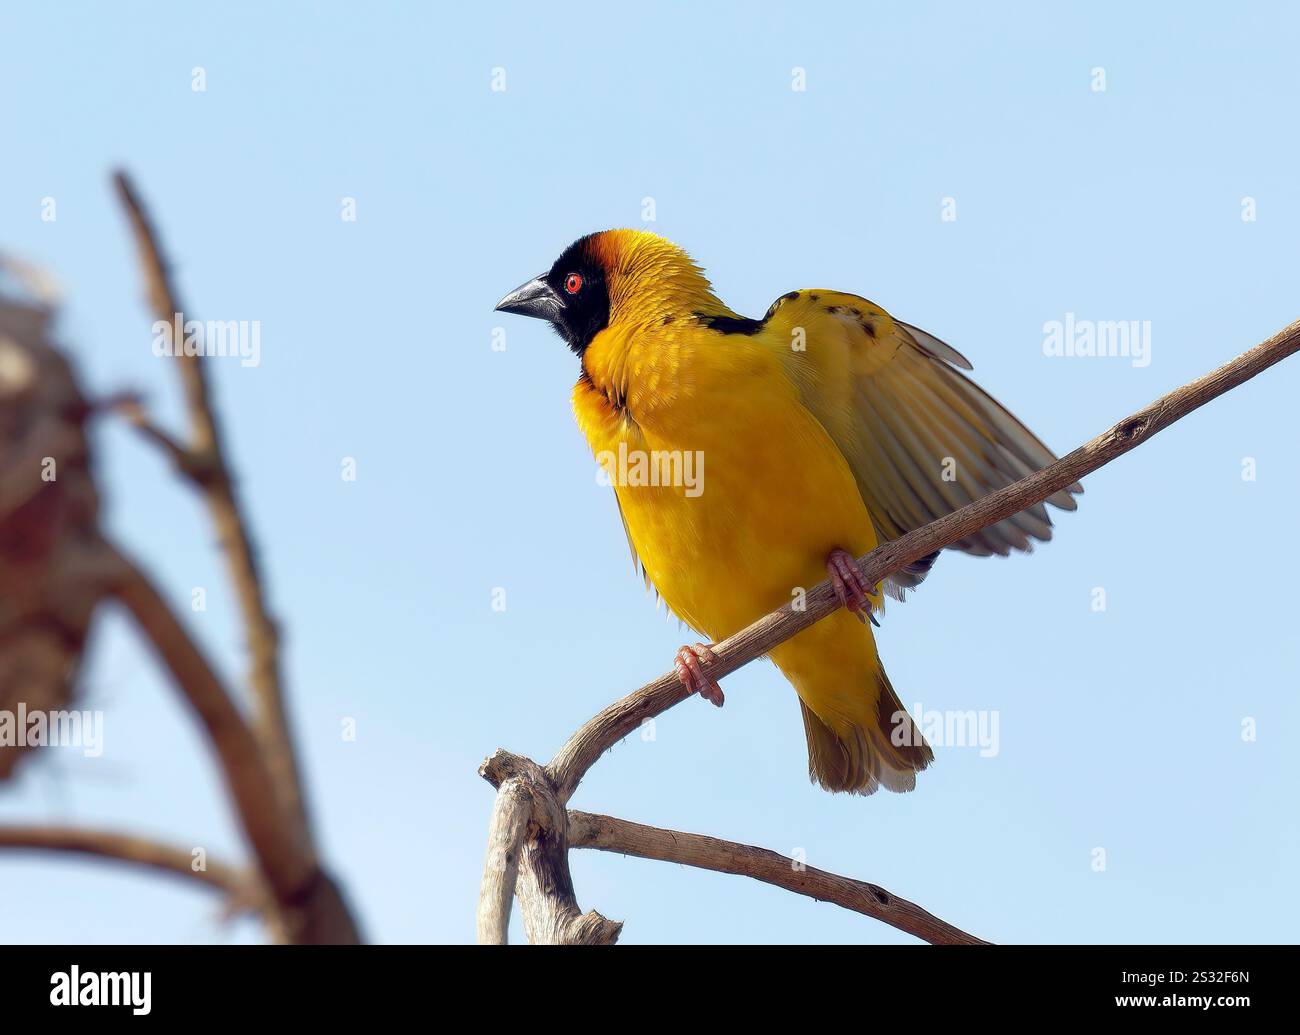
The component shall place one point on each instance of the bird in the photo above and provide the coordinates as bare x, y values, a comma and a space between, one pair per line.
810, 436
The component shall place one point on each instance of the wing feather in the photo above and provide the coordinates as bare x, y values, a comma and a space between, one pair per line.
921, 438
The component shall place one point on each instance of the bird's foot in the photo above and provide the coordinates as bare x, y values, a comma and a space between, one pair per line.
850, 586
689, 663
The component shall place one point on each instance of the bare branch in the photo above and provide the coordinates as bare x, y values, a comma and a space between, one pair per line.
217, 483
543, 884
311, 905
509, 825
140, 851
618, 835
196, 468
258, 761
614, 723
282, 847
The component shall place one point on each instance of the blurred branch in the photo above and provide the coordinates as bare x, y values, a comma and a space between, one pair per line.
258, 760
709, 853
194, 467
561, 777
310, 905
238, 884
57, 567
206, 445
279, 841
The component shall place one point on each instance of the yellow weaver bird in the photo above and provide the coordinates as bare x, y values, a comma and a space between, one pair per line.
820, 430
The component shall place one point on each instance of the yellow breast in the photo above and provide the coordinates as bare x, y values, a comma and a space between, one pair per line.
731, 491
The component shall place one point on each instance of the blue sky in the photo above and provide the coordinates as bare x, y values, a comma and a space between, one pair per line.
1119, 729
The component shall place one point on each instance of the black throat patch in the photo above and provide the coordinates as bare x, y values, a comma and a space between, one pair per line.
586, 310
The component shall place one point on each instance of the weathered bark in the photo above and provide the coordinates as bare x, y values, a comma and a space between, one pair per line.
710, 853
540, 846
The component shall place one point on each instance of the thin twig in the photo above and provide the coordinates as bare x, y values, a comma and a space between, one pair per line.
280, 843
710, 853
218, 489
196, 468
128, 848
258, 761
614, 723
310, 906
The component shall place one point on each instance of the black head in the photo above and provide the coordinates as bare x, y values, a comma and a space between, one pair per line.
573, 296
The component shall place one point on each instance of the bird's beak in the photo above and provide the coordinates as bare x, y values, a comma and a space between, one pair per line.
533, 299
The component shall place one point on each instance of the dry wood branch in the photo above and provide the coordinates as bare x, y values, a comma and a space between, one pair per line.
311, 907
193, 466
139, 851
260, 764
301, 902
506, 831
281, 847
529, 833
710, 853
614, 723
218, 489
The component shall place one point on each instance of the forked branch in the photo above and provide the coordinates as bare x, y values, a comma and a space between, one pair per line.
299, 900
257, 758
203, 458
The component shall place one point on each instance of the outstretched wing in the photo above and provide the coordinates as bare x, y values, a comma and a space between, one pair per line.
922, 438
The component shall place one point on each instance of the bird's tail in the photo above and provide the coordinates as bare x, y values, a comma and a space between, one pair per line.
887, 750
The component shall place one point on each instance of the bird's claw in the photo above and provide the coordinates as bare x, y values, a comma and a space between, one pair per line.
850, 587
689, 663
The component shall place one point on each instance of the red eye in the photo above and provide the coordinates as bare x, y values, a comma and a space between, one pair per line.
573, 283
